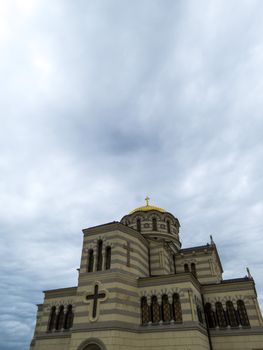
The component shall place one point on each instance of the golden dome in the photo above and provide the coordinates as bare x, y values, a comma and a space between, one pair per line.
147, 207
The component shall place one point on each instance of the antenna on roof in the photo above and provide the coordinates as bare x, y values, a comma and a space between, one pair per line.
211, 240
249, 274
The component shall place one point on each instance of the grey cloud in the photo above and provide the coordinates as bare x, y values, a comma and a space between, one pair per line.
105, 102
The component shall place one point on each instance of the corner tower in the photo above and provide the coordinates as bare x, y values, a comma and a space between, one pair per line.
161, 229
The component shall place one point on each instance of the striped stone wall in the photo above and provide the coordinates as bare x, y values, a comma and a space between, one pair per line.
118, 237
207, 265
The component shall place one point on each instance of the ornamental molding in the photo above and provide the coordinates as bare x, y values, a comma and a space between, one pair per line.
160, 292
58, 303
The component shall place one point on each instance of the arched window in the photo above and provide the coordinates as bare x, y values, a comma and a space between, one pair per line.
145, 312
174, 263
199, 314
99, 255
139, 225
231, 314
155, 310
166, 309
68, 323
154, 222
168, 226
242, 312
193, 269
220, 313
210, 315
186, 268
52, 319
60, 318
90, 260
177, 310
108, 258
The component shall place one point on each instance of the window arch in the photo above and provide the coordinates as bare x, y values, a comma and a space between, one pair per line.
242, 312
90, 260
155, 310
210, 315
166, 309
52, 319
231, 313
68, 323
186, 268
168, 226
99, 255
193, 269
177, 310
154, 224
145, 312
220, 313
92, 344
60, 318
138, 224
108, 258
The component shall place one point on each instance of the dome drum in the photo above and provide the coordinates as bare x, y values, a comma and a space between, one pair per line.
154, 224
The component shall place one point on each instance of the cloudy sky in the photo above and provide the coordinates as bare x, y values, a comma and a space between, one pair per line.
105, 101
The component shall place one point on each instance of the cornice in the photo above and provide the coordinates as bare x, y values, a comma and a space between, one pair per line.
114, 226
69, 291
169, 279
229, 285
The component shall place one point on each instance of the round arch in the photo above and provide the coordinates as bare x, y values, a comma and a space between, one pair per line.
92, 344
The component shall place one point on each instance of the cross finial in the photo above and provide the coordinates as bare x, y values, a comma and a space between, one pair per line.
147, 200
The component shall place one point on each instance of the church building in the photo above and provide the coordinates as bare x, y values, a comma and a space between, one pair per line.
139, 289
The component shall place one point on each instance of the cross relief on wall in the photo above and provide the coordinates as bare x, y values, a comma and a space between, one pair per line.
94, 297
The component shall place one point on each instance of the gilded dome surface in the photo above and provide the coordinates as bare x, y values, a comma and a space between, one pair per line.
147, 207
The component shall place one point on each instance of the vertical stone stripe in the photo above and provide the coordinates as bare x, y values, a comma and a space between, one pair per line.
190, 295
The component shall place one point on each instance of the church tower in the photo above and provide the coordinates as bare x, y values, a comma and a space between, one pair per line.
138, 288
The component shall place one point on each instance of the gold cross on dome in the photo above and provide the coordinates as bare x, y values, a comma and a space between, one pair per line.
147, 200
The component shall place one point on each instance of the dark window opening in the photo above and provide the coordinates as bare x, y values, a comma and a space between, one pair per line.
68, 323
231, 314
52, 319
242, 312
90, 260
210, 316
60, 318
168, 227
193, 269
177, 310
154, 224
139, 225
145, 312
221, 316
155, 308
108, 258
166, 309
174, 263
99, 256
